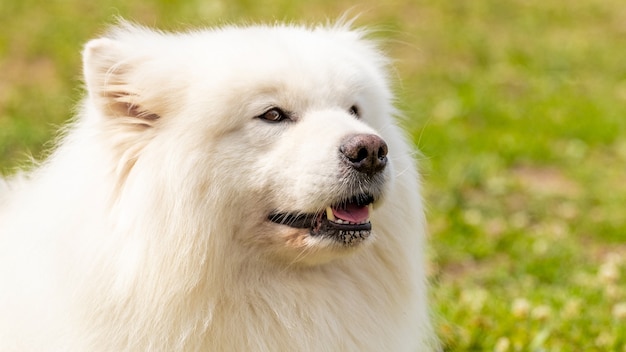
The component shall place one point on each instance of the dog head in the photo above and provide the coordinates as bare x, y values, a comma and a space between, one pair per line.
266, 137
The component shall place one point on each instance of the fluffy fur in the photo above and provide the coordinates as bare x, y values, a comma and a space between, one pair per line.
147, 228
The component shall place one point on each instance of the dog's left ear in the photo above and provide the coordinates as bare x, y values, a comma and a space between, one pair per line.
120, 83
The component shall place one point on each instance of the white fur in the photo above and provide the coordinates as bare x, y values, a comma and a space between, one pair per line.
146, 229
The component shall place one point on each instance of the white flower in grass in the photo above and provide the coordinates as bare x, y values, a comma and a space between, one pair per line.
475, 298
502, 345
612, 291
520, 308
619, 311
605, 339
572, 308
609, 272
541, 312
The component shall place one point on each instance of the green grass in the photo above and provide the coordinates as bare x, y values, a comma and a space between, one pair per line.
518, 107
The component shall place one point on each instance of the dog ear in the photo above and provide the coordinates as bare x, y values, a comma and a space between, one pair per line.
117, 85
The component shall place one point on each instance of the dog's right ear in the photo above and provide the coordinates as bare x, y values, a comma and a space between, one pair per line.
117, 85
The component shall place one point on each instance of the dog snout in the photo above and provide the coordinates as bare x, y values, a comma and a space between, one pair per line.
366, 153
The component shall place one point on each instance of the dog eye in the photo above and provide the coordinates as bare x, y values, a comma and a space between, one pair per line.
274, 115
354, 111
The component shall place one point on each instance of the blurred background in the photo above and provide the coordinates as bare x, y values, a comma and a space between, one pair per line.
518, 108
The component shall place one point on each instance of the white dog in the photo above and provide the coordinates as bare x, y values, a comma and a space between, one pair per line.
232, 189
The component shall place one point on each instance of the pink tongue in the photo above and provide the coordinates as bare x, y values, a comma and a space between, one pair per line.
352, 213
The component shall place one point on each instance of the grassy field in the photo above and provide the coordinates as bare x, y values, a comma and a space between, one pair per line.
518, 107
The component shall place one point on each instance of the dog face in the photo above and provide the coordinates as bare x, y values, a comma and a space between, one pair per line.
273, 133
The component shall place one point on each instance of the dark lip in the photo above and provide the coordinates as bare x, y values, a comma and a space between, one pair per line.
318, 222
299, 221
310, 221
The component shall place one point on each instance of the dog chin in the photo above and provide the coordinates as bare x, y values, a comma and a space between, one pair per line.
295, 246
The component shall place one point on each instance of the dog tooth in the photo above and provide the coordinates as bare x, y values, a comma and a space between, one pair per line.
329, 214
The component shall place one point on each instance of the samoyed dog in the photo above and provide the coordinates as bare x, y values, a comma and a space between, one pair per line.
228, 189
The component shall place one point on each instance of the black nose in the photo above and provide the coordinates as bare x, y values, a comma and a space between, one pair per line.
366, 153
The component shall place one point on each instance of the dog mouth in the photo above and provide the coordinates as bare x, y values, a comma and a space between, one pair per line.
346, 221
